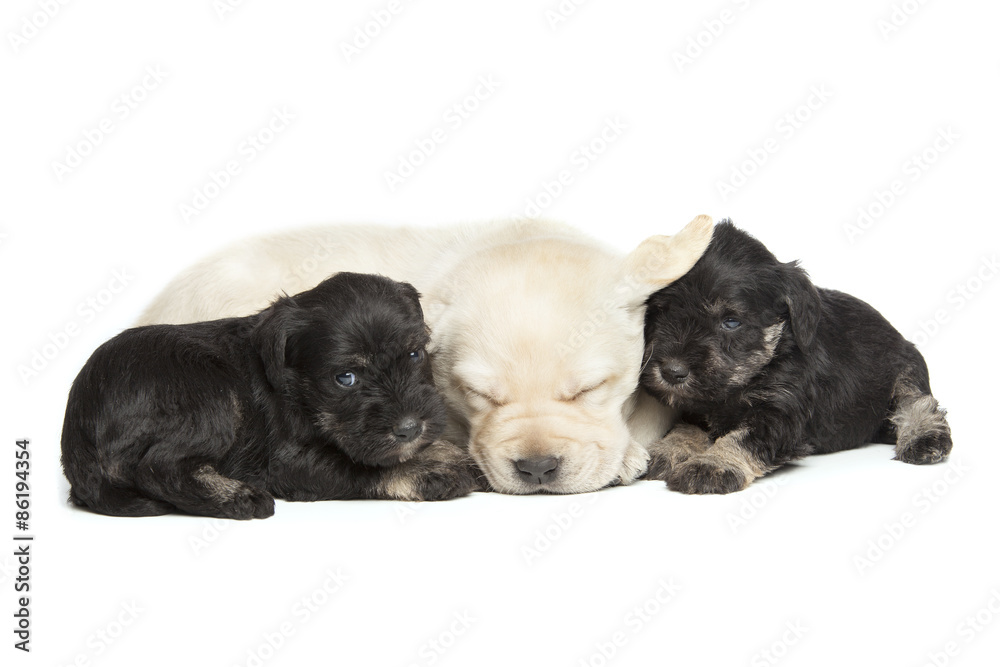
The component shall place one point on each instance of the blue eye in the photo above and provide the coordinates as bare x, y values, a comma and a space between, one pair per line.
347, 379
731, 324
417, 356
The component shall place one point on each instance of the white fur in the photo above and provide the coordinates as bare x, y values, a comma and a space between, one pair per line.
524, 316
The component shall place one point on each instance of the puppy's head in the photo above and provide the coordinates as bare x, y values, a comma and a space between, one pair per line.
538, 348
712, 332
351, 355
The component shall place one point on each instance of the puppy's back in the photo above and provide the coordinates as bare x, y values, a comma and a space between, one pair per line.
136, 398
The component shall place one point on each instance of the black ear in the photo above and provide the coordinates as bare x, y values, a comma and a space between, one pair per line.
803, 302
410, 292
270, 336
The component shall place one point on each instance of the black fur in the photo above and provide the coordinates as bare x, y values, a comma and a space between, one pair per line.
839, 375
218, 418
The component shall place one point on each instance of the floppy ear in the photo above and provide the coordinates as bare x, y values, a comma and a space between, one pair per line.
410, 292
804, 304
269, 337
660, 260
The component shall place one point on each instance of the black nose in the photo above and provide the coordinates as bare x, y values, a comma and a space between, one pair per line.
408, 428
538, 470
675, 371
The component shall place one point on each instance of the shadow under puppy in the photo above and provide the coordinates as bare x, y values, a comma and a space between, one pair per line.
324, 395
774, 369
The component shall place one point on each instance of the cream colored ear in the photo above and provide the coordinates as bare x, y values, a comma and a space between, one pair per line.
660, 260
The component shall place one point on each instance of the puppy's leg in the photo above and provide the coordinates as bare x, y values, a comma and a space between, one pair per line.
197, 487
728, 465
681, 443
104, 497
922, 432
440, 472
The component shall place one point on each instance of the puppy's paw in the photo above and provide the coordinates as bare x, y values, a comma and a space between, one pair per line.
659, 467
930, 448
702, 474
440, 472
248, 502
681, 443
634, 464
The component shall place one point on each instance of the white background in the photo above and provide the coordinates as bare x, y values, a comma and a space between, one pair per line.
745, 567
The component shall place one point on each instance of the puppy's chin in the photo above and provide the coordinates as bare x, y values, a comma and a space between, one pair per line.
385, 452
559, 451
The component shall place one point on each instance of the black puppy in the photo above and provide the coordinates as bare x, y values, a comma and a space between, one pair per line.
775, 369
324, 395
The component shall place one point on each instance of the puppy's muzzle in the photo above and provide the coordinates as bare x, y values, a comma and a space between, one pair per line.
537, 470
674, 371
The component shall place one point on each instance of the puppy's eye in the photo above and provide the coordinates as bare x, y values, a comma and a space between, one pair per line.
584, 392
492, 400
417, 356
731, 324
347, 379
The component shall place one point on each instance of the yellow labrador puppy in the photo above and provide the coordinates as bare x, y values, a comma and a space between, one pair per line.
537, 332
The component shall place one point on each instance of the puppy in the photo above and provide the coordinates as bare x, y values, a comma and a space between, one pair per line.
536, 332
325, 395
775, 369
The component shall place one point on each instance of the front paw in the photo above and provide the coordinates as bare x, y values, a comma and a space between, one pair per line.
702, 474
634, 464
440, 472
248, 502
680, 444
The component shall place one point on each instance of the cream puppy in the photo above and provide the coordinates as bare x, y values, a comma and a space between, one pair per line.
537, 332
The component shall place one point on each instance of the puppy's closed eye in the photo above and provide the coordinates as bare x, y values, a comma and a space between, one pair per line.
484, 396
583, 392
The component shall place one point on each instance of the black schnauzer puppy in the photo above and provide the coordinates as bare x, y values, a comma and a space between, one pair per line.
324, 395
774, 369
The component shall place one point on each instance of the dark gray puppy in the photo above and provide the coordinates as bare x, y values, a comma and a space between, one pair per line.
324, 395
766, 368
